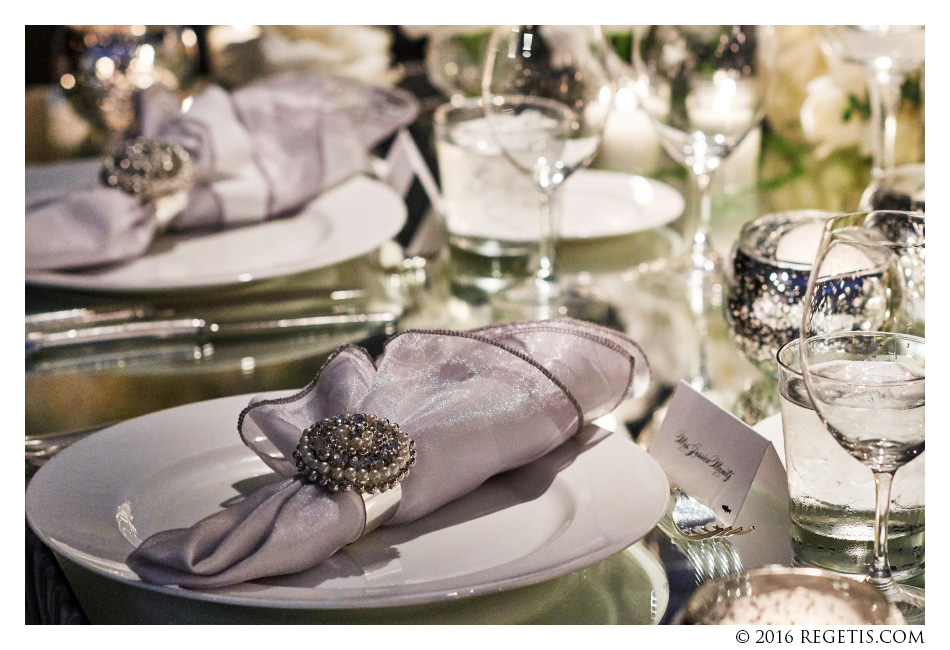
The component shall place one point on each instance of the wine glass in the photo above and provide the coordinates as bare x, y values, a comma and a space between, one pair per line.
863, 357
900, 188
547, 92
704, 88
887, 53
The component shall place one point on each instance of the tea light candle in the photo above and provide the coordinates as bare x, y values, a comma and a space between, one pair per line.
629, 141
800, 246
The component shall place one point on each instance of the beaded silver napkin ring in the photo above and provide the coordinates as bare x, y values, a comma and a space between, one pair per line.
149, 169
152, 170
361, 453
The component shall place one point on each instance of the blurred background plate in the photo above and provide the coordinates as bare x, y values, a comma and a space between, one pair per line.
603, 203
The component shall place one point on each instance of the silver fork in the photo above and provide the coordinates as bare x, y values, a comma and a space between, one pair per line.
697, 521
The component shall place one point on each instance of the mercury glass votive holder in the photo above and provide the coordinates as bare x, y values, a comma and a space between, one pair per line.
766, 277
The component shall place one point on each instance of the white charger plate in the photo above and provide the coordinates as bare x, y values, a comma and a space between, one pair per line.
342, 223
592, 497
602, 203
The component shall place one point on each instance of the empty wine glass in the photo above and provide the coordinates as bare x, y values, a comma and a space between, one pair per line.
547, 93
863, 357
887, 53
704, 88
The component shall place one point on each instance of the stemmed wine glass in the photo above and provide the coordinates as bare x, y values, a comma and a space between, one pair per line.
547, 92
887, 53
863, 357
704, 88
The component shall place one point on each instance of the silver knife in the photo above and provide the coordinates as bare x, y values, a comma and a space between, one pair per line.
89, 316
197, 329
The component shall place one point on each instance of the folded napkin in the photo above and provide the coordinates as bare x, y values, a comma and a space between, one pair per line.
475, 403
262, 151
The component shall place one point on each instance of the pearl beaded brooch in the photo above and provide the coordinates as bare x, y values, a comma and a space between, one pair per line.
359, 452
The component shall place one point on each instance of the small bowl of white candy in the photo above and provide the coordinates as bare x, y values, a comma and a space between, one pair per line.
779, 595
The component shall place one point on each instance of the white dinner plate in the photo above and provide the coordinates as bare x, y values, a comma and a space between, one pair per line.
342, 223
602, 203
592, 497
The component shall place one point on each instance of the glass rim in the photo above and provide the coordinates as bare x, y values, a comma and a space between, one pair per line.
463, 103
861, 334
778, 356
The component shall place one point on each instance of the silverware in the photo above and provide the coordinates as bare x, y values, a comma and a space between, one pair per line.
196, 329
695, 520
283, 301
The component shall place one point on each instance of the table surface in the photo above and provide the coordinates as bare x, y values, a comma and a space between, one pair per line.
81, 392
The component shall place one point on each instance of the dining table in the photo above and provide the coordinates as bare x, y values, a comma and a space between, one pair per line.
404, 276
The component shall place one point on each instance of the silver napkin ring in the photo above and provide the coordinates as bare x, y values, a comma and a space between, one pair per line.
149, 169
362, 453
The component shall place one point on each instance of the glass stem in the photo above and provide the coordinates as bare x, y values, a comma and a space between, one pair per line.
701, 249
880, 570
550, 215
884, 94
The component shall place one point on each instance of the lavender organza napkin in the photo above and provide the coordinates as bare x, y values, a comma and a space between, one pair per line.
476, 403
262, 151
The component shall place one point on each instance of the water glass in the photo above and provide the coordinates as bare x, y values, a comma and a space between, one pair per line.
491, 209
832, 496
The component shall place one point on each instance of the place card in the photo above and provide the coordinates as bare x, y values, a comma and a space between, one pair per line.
713, 455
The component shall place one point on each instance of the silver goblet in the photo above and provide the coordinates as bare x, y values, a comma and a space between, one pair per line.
104, 69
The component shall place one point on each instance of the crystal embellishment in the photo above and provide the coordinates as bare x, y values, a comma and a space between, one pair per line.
149, 169
358, 452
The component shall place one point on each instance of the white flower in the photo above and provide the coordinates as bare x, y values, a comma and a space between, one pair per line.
822, 112
352, 50
242, 53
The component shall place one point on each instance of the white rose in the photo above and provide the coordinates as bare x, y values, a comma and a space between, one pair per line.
352, 50
822, 112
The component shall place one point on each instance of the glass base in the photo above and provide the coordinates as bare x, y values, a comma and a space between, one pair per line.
908, 600
821, 545
537, 299
698, 276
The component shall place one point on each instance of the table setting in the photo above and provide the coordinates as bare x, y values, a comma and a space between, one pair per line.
475, 325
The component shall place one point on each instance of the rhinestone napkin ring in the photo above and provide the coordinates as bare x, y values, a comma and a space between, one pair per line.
358, 452
149, 169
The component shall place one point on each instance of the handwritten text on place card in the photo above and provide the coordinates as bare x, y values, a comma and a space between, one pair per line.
709, 453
